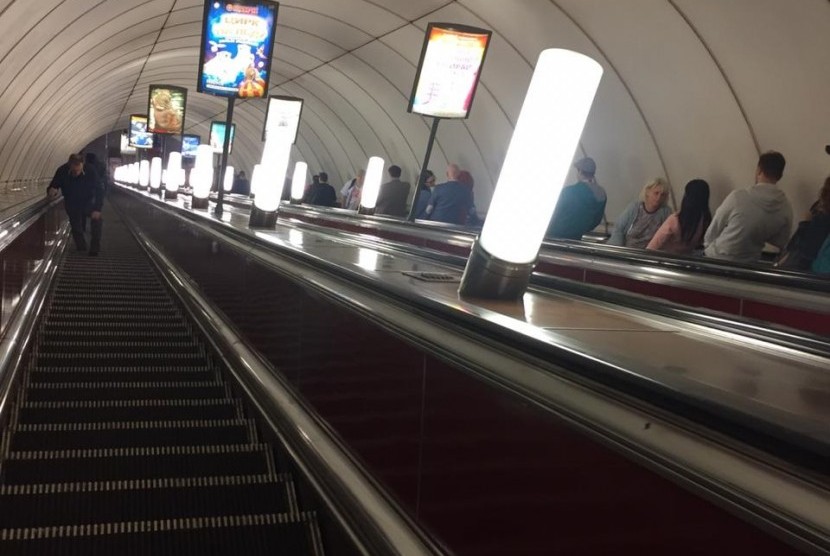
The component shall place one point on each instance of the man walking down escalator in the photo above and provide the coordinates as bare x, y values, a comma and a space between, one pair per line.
83, 195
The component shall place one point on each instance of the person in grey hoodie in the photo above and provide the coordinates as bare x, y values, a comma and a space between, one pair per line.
750, 217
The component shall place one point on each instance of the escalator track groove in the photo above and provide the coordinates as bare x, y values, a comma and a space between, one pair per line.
124, 436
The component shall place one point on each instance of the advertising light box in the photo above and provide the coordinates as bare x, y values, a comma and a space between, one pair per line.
165, 112
140, 137
126, 148
217, 137
449, 70
237, 44
190, 144
283, 114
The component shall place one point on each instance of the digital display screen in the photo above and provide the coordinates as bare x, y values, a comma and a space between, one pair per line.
166, 107
126, 148
140, 138
237, 44
217, 137
190, 144
283, 114
449, 71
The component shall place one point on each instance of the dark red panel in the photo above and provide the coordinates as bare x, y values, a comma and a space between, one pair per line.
562, 271
817, 323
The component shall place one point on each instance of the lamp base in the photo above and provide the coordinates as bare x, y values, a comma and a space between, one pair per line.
262, 219
143, 187
171, 194
294, 201
199, 203
487, 277
367, 212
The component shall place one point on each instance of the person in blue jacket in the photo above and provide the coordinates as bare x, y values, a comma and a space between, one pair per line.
581, 205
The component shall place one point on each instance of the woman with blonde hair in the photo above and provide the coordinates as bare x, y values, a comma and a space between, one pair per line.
641, 219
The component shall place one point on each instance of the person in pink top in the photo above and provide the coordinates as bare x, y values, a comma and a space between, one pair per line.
683, 231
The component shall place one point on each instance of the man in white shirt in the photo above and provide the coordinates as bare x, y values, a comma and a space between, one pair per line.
750, 217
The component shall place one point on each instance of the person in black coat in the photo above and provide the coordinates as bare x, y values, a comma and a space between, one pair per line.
83, 195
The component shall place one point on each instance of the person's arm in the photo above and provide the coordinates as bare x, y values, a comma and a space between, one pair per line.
783, 236
55, 185
433, 198
663, 235
719, 221
97, 196
623, 223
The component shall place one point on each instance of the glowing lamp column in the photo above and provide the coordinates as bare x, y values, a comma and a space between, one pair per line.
371, 186
298, 183
550, 124
268, 183
144, 175
175, 175
227, 181
155, 174
201, 177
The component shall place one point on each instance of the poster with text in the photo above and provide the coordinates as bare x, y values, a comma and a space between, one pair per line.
190, 144
237, 44
140, 137
165, 112
450, 68
217, 137
283, 115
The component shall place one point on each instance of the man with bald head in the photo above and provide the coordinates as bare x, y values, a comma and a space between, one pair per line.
451, 200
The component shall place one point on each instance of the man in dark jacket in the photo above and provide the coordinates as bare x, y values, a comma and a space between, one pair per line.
393, 194
450, 201
321, 194
83, 195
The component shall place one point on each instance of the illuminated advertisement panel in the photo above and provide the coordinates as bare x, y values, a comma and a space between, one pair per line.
126, 148
237, 43
217, 136
449, 70
165, 112
190, 144
283, 113
140, 137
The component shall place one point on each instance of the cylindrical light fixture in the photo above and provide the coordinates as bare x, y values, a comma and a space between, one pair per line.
298, 182
227, 182
175, 175
155, 173
371, 185
275, 157
201, 177
144, 174
550, 124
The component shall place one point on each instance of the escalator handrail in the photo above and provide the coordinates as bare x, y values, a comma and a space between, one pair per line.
371, 518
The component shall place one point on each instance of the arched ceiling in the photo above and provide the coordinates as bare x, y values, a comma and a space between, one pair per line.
692, 88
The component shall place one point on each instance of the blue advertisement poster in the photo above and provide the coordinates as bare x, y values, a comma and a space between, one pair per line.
237, 44
140, 137
217, 137
190, 144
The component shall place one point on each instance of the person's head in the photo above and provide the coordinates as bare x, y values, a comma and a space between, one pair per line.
586, 169
464, 177
770, 167
693, 208
360, 176
429, 179
654, 194
394, 171
315, 178
76, 164
452, 172
242, 174
324, 177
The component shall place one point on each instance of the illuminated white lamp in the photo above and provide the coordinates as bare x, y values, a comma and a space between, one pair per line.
227, 182
175, 175
270, 180
201, 177
144, 174
298, 182
371, 185
550, 124
155, 174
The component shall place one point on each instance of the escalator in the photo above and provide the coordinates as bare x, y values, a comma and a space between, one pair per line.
125, 438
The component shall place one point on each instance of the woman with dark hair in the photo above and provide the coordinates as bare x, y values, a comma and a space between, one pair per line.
683, 231
812, 232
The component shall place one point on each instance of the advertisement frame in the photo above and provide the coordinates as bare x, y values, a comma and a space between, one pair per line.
124, 146
268, 111
233, 136
198, 137
449, 27
150, 108
203, 47
130, 131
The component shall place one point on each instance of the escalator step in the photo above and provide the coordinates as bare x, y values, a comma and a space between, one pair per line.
259, 535
131, 434
79, 391
32, 413
67, 466
106, 374
113, 359
138, 500
122, 346
108, 335
95, 327
93, 316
